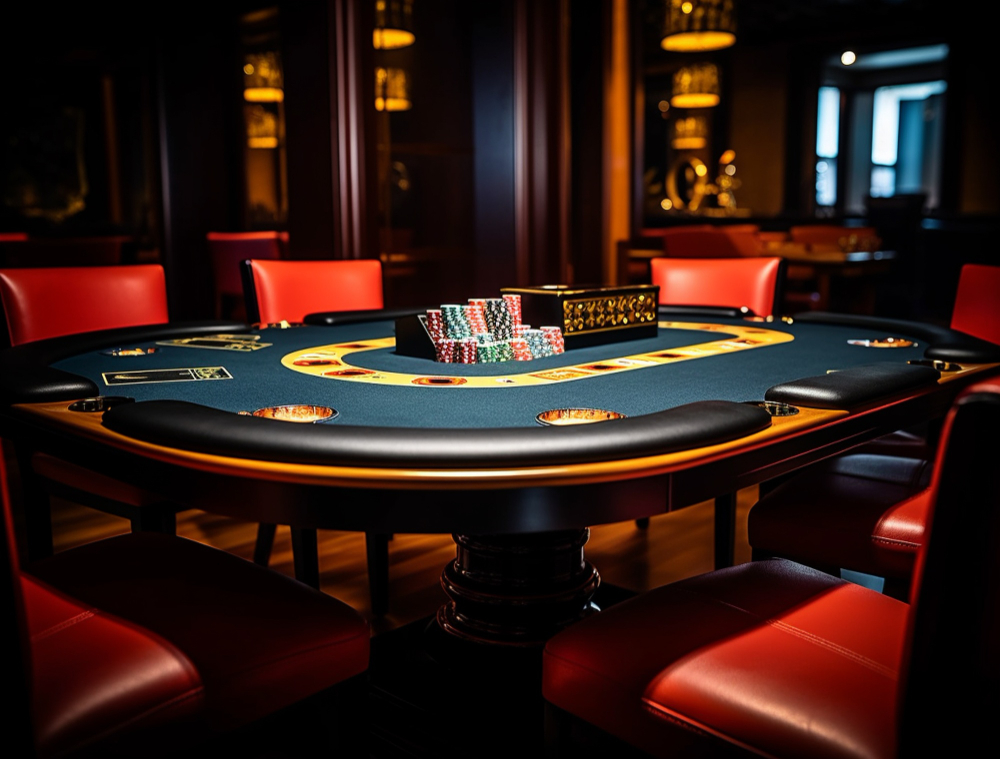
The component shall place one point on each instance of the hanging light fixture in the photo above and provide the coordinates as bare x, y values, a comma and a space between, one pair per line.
262, 79
699, 25
392, 89
393, 24
696, 86
689, 133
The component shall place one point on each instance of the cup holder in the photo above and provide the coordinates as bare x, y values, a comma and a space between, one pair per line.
100, 403
774, 408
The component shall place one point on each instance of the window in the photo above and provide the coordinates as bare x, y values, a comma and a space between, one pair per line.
879, 127
905, 139
827, 145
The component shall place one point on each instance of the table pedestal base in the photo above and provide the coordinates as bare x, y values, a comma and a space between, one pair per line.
517, 590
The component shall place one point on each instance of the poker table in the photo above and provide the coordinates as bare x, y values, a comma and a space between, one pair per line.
515, 459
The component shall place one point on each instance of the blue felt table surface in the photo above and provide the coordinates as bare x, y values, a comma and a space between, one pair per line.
259, 379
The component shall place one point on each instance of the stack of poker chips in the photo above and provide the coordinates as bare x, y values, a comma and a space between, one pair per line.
488, 330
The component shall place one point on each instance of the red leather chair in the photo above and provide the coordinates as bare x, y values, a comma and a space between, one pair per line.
753, 283
748, 282
51, 302
278, 291
153, 645
228, 251
284, 290
48, 302
867, 511
772, 658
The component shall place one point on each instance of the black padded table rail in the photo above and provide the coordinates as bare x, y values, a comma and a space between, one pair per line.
333, 318
853, 387
26, 377
207, 430
945, 344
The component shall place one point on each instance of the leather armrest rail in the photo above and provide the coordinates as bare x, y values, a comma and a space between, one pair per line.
850, 388
26, 377
190, 426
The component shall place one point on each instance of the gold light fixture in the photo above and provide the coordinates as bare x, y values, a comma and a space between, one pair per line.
262, 78
262, 126
393, 24
392, 89
690, 133
696, 86
698, 25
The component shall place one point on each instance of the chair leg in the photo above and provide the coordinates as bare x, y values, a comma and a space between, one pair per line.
155, 519
305, 556
725, 530
265, 543
377, 549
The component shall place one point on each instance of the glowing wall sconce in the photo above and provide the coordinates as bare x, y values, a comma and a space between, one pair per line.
392, 89
696, 86
393, 24
698, 25
262, 78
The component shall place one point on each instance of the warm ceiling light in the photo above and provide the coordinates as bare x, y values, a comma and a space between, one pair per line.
698, 25
392, 89
696, 86
848, 57
393, 24
690, 133
262, 78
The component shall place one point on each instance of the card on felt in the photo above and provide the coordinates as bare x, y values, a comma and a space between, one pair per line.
166, 375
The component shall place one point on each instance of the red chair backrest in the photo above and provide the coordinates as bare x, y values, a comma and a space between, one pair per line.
977, 302
55, 301
728, 282
283, 290
228, 250
953, 636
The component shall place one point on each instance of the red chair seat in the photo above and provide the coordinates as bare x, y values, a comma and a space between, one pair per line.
783, 639
234, 628
864, 512
129, 682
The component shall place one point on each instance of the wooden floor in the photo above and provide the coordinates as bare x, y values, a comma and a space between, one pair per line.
674, 546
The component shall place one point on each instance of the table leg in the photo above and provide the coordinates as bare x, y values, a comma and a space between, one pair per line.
305, 556
725, 530
517, 590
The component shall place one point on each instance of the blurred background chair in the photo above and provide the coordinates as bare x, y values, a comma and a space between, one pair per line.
832, 236
746, 238
699, 241
866, 511
227, 251
754, 283
155, 645
41, 303
277, 291
776, 659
